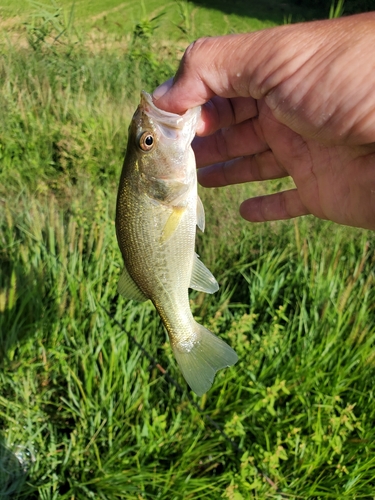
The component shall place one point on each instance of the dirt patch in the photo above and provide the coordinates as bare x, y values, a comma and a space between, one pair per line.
128, 5
10, 23
13, 32
15, 40
97, 41
105, 13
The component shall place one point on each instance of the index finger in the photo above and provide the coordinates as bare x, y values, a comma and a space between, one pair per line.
220, 113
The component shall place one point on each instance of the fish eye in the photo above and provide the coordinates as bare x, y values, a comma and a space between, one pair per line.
146, 141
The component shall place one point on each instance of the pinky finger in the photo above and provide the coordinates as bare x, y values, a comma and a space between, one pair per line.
278, 206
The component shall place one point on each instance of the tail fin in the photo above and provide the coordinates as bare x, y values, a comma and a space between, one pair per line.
200, 363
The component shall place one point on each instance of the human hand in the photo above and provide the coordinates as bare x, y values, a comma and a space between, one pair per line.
295, 100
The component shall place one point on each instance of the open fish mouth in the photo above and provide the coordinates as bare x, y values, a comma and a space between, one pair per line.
167, 119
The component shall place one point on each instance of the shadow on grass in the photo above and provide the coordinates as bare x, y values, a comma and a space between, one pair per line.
268, 10
14, 466
23, 296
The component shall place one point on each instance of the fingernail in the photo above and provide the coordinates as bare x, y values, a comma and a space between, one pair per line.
162, 89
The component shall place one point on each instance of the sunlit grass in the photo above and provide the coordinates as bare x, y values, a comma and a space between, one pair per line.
82, 401
179, 20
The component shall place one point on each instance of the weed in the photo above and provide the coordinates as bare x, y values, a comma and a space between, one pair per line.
336, 9
49, 25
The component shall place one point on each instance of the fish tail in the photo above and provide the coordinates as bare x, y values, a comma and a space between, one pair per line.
203, 359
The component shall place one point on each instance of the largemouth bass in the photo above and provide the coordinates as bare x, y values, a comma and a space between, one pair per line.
158, 210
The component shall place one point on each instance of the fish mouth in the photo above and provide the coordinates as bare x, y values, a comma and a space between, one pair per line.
167, 119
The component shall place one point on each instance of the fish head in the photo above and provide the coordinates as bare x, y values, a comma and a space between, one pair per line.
160, 142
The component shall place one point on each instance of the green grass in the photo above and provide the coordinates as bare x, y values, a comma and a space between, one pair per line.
180, 20
84, 412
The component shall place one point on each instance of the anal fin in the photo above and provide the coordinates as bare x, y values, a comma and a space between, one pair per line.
128, 289
201, 278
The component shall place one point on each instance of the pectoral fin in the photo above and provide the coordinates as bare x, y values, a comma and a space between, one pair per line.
200, 214
128, 289
172, 223
202, 279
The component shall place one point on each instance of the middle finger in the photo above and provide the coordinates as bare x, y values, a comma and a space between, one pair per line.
219, 113
242, 139
258, 167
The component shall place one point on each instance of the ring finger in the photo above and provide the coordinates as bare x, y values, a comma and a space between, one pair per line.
258, 167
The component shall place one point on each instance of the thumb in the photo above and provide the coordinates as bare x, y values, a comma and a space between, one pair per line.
202, 73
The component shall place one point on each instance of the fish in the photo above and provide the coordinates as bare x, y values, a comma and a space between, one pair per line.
157, 213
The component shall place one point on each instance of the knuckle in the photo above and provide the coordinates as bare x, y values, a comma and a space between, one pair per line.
193, 58
192, 54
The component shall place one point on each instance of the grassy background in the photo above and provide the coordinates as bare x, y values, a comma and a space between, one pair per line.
84, 413
197, 18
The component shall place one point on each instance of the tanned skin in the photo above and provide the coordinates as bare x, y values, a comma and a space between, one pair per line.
296, 100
